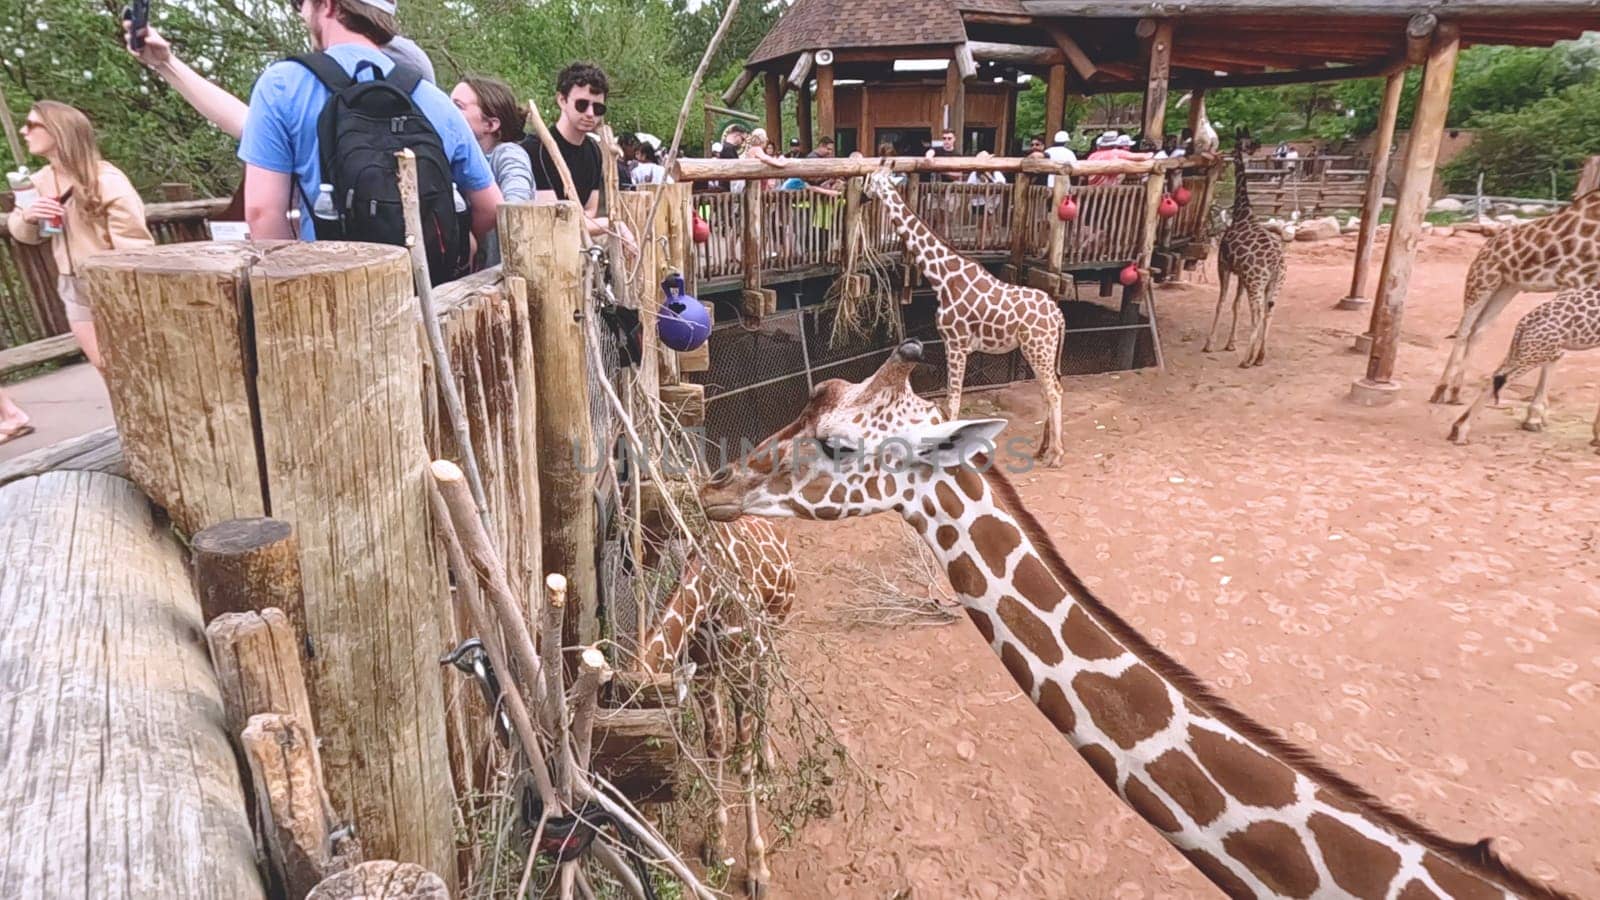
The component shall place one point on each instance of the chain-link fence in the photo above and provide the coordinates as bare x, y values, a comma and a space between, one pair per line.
760, 378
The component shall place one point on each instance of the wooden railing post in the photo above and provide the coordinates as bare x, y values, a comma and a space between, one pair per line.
757, 301
1143, 292
1019, 224
1058, 233
540, 243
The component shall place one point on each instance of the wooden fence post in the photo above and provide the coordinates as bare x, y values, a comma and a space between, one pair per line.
757, 301
248, 565
176, 368
1019, 225
340, 386
1372, 202
540, 243
296, 820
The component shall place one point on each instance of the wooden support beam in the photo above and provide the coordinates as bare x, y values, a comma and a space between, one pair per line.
1419, 37
827, 124
1372, 202
119, 780
966, 64
802, 117
772, 84
1019, 219
1158, 51
1190, 81
1079, 60
739, 86
1057, 245
955, 103
1055, 101
1427, 132
753, 250
1024, 54
741, 169
541, 243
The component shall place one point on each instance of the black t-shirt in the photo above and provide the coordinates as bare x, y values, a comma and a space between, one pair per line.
583, 161
729, 151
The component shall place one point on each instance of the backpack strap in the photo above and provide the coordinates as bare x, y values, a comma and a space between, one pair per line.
327, 69
404, 77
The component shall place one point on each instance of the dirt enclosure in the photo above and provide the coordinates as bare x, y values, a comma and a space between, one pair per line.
1424, 617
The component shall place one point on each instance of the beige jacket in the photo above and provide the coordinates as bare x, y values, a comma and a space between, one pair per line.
122, 227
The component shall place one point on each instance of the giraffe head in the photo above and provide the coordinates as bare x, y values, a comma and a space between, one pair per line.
879, 184
855, 450
1244, 144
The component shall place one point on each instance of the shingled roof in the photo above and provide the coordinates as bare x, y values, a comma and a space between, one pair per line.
832, 24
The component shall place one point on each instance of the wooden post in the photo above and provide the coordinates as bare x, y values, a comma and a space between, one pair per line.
1055, 101
1019, 223
340, 388
1159, 50
802, 117
257, 658
248, 565
540, 243
656, 365
1058, 229
1427, 132
1143, 291
826, 124
1372, 204
177, 376
772, 87
866, 135
955, 98
118, 778
382, 880
296, 820
756, 300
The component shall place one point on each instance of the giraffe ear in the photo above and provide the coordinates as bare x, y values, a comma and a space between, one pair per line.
945, 444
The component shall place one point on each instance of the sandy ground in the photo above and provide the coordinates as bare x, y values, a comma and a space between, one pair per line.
1425, 617
62, 404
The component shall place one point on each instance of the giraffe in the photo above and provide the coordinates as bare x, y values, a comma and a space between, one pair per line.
1569, 321
731, 656
1253, 253
1550, 254
1255, 814
980, 313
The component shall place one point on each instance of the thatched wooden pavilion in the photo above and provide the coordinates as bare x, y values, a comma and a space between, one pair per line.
843, 53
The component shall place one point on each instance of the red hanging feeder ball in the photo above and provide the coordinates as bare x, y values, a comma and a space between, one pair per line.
1068, 210
702, 230
1183, 195
1130, 275
1168, 207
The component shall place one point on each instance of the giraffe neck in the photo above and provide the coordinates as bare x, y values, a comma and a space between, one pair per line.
934, 257
1255, 814
1241, 195
681, 615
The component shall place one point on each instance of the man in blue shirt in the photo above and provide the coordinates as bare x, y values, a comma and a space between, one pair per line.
279, 145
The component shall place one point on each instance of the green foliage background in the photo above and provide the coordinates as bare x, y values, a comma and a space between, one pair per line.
1535, 110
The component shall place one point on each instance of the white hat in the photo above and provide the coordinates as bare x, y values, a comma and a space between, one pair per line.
1062, 137
1124, 141
1106, 139
381, 5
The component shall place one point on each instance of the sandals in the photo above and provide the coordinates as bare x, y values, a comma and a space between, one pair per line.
20, 431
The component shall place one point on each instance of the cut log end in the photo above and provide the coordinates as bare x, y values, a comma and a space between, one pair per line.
556, 584
444, 471
382, 880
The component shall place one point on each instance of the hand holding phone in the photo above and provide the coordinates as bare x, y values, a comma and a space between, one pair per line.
138, 19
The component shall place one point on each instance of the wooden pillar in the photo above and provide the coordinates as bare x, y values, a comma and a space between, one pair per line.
772, 87
955, 99
1427, 132
802, 117
1142, 294
1008, 123
540, 243
1157, 72
757, 301
1019, 224
1055, 102
1372, 204
865, 135
118, 778
247, 565
827, 125
339, 385
177, 377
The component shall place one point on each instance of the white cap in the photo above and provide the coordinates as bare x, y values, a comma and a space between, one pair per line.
1124, 141
381, 5
1062, 137
1106, 139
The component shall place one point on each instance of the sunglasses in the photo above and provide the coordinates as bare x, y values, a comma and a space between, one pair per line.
582, 105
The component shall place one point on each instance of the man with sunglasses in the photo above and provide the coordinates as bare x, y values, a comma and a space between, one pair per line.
581, 97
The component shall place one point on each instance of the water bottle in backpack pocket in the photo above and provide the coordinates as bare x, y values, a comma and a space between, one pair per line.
362, 126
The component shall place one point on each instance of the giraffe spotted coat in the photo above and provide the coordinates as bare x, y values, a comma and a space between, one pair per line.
1254, 254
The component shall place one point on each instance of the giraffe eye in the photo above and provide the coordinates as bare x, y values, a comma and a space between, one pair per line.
834, 448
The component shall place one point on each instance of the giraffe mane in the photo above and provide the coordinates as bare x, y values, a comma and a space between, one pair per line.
1479, 857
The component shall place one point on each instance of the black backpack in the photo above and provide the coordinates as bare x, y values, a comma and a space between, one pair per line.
362, 125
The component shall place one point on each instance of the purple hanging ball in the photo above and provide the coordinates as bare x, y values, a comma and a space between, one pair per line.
683, 324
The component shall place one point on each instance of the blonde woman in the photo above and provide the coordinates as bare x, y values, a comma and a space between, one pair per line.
95, 204
755, 147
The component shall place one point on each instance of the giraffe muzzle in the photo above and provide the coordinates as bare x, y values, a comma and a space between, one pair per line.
910, 351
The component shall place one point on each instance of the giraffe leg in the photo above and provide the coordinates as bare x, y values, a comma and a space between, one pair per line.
1541, 401
1483, 306
1043, 356
1596, 430
1233, 329
1258, 322
956, 359
1266, 319
757, 876
714, 850
1507, 372
1222, 300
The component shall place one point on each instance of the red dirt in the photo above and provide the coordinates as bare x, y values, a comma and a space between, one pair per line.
1424, 617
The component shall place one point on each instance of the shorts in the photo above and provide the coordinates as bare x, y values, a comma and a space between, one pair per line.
67, 290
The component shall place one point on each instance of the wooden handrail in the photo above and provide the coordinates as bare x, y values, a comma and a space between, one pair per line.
834, 167
160, 213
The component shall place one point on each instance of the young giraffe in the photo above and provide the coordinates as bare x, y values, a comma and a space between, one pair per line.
731, 655
1253, 253
980, 313
1569, 321
1256, 815
1550, 254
